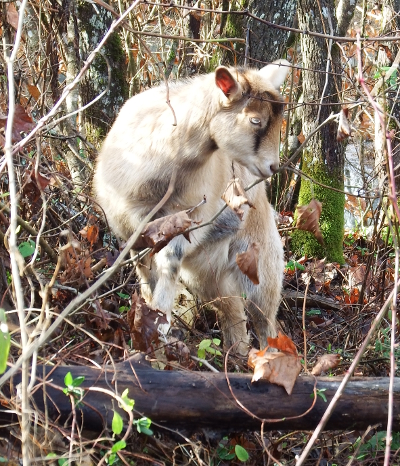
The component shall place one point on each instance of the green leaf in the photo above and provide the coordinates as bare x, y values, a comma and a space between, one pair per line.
201, 353
51, 455
204, 344
27, 248
293, 265
142, 426
78, 381
214, 351
62, 462
5, 339
123, 295
112, 458
313, 312
128, 402
68, 379
120, 445
117, 423
216, 341
241, 453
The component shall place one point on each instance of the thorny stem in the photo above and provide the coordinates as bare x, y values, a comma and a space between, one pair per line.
17, 262
79, 76
393, 198
329, 410
87, 293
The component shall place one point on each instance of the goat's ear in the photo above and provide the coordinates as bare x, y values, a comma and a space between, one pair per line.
275, 73
225, 81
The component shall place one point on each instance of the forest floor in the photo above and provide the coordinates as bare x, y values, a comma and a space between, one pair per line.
340, 306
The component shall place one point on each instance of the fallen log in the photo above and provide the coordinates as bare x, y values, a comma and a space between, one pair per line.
194, 400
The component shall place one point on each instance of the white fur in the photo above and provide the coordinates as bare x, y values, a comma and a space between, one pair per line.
214, 137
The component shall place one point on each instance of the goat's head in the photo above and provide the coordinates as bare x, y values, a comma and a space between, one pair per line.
247, 129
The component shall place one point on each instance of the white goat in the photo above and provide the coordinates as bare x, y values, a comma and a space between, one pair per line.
228, 122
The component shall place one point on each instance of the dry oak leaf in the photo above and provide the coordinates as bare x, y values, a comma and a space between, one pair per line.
143, 323
158, 233
235, 197
326, 362
280, 368
248, 262
308, 217
177, 350
22, 123
91, 233
283, 343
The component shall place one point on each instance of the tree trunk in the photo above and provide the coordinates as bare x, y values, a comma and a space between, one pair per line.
266, 43
98, 118
323, 159
196, 400
71, 52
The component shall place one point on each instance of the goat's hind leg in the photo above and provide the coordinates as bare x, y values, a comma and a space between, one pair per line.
165, 273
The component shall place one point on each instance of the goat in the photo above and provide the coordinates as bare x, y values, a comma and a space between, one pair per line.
228, 122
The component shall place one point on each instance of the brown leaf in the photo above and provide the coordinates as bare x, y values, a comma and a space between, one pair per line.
283, 343
176, 350
91, 233
326, 362
248, 262
143, 322
12, 15
357, 275
308, 217
344, 128
161, 231
22, 123
33, 91
235, 196
278, 368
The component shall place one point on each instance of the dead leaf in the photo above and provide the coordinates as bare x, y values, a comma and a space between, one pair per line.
248, 262
308, 217
326, 362
143, 322
357, 275
33, 91
12, 16
76, 264
235, 196
22, 123
176, 350
278, 368
91, 233
283, 343
344, 128
158, 233
352, 297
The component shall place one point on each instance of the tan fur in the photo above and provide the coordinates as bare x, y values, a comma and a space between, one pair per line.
214, 139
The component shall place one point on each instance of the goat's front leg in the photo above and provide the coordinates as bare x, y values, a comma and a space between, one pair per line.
167, 263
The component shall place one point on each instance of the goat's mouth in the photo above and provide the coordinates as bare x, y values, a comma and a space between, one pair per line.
257, 172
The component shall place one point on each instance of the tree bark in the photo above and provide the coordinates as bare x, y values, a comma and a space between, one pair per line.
323, 160
196, 400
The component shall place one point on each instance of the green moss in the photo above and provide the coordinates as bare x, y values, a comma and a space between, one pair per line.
332, 215
232, 26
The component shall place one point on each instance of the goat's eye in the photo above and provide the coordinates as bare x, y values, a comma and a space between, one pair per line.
255, 121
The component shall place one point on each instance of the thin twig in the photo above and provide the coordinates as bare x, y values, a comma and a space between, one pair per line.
349, 373
17, 262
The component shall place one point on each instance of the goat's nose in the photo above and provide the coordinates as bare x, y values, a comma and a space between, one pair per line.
274, 167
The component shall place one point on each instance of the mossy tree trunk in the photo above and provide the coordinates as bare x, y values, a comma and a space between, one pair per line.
93, 24
266, 43
323, 160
